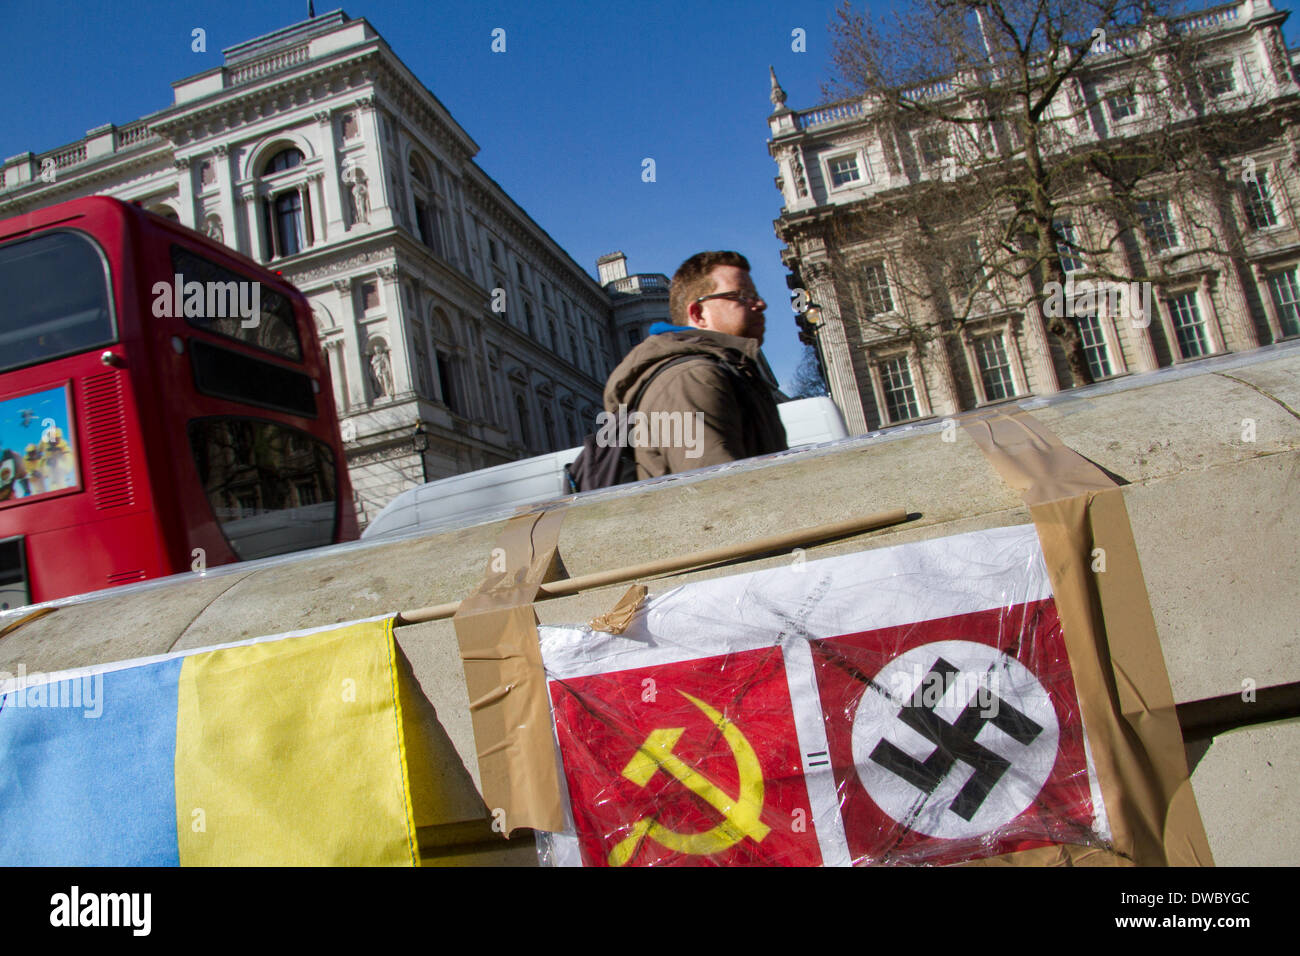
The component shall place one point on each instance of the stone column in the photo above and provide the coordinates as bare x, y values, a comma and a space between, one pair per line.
313, 188
398, 337
972, 363
338, 374
1110, 336
352, 359
919, 384
878, 392
331, 213
1217, 344
1270, 307
259, 244
226, 197
185, 183
308, 215
836, 357
381, 203
1011, 341
1036, 335
1243, 323
948, 384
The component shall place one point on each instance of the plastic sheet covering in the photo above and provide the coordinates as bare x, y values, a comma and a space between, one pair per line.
911, 705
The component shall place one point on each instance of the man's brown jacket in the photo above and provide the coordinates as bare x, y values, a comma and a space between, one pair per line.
739, 414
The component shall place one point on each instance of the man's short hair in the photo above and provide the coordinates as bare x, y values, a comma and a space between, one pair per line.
692, 280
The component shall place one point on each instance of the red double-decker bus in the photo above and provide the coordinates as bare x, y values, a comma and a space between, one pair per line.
164, 406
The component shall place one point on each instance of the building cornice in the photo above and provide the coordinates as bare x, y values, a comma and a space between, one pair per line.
488, 195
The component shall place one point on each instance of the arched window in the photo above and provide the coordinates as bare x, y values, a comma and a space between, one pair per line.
447, 360
284, 159
428, 215
521, 410
286, 211
548, 422
288, 223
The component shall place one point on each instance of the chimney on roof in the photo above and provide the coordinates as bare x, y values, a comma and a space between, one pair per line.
611, 266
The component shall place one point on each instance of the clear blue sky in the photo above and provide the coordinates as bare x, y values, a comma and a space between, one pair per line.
584, 92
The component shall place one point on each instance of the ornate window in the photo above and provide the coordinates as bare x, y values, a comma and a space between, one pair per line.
286, 210
521, 413
1122, 104
873, 290
1094, 347
968, 266
448, 365
995, 368
428, 212
844, 170
1158, 224
1189, 326
1218, 80
1284, 286
548, 424
1067, 247
900, 393
1260, 211
933, 147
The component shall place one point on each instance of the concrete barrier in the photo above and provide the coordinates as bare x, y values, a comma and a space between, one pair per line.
1210, 454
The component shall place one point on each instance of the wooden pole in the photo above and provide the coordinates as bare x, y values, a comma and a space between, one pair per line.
600, 579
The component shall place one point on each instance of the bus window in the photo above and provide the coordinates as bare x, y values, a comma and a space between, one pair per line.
13, 575
271, 487
225, 293
223, 373
55, 291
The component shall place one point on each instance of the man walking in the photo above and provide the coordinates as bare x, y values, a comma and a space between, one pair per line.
705, 364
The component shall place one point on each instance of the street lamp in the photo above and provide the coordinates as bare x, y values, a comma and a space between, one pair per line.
810, 324
421, 442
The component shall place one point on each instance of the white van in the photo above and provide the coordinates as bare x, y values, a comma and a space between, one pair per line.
807, 421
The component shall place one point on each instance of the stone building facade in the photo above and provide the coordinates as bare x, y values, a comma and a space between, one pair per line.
439, 302
836, 161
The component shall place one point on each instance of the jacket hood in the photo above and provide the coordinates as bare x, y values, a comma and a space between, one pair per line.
668, 342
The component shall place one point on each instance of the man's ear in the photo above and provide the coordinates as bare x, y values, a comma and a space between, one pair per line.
695, 315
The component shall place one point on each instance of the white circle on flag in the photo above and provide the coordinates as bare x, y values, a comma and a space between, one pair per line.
997, 739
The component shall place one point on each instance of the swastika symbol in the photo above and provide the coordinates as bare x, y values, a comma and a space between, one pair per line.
956, 741
954, 738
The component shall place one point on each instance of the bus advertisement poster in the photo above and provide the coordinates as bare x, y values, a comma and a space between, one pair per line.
37, 451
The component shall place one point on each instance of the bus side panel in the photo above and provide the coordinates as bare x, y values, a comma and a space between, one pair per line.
96, 555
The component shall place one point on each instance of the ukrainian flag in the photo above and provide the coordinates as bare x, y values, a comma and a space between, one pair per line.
278, 752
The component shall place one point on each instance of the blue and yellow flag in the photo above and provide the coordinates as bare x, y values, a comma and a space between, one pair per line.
280, 752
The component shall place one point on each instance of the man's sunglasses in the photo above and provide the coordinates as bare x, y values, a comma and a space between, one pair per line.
750, 301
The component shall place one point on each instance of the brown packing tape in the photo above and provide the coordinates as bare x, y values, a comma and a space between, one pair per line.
496, 628
1110, 635
617, 618
1032, 460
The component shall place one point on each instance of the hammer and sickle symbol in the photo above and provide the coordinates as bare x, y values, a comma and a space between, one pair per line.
740, 815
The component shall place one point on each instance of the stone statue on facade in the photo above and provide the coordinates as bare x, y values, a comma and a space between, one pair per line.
381, 371
360, 201
215, 232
